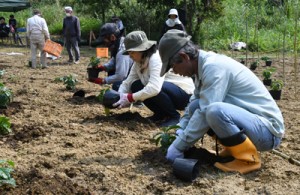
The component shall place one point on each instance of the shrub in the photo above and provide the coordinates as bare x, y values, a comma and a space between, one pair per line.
5, 95
5, 170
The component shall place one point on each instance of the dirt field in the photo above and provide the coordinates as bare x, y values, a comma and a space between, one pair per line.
66, 145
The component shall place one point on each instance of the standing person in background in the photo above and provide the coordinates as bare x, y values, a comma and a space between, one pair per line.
13, 29
173, 22
38, 33
119, 23
119, 65
71, 33
163, 96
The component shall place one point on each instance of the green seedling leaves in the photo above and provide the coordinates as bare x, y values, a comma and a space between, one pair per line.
94, 61
5, 95
6, 167
166, 137
70, 81
4, 125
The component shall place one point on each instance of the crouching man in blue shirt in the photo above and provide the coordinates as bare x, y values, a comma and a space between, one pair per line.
228, 98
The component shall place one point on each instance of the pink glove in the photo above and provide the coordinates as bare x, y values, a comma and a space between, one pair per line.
125, 100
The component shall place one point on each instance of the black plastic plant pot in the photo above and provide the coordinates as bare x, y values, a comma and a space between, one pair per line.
79, 93
253, 67
242, 61
110, 97
275, 94
186, 169
268, 63
93, 73
267, 82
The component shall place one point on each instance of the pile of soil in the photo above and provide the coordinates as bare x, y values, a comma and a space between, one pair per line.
67, 145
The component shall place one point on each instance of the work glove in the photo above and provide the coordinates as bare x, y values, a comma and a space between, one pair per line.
173, 153
125, 100
179, 131
100, 67
99, 81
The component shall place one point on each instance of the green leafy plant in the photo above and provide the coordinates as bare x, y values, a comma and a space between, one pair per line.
267, 73
2, 72
5, 95
4, 125
254, 65
94, 61
265, 58
166, 137
6, 167
70, 81
100, 99
276, 85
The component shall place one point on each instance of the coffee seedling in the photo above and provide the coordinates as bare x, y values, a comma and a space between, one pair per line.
70, 81
165, 138
5, 96
6, 167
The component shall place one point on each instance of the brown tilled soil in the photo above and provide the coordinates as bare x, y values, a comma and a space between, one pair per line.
66, 145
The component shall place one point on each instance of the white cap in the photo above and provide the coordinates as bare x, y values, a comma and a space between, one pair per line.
68, 8
173, 12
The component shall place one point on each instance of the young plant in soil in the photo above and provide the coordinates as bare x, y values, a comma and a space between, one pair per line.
267, 60
4, 125
6, 167
254, 65
100, 99
94, 61
70, 81
166, 137
267, 73
5, 96
277, 85
2, 72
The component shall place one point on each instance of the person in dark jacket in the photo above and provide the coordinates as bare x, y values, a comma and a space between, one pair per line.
4, 28
72, 33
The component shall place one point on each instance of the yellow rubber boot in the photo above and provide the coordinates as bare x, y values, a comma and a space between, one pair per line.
246, 158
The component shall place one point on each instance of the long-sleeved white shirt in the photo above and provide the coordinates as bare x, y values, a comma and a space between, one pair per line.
37, 25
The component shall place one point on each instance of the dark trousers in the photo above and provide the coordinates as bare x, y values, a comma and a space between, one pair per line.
72, 42
165, 104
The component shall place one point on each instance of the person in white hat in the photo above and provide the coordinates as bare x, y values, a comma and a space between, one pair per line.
173, 22
72, 33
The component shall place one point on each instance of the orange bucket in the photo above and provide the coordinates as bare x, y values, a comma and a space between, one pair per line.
53, 48
102, 52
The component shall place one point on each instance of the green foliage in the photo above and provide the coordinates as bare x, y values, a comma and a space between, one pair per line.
5, 95
94, 61
100, 99
265, 58
166, 137
267, 73
6, 167
4, 125
2, 72
70, 81
276, 85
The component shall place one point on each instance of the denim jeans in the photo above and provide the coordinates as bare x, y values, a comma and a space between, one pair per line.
227, 119
165, 104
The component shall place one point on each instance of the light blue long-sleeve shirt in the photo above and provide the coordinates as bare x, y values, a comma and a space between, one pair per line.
222, 79
121, 64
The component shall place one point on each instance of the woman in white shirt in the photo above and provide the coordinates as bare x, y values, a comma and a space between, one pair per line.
144, 83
